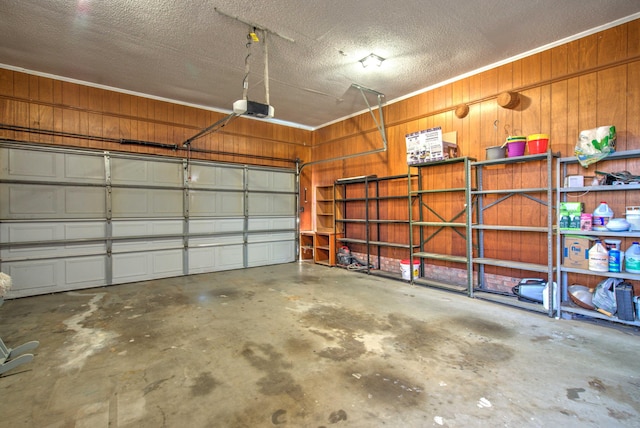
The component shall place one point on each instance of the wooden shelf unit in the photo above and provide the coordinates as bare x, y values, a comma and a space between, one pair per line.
324, 247
307, 245
325, 214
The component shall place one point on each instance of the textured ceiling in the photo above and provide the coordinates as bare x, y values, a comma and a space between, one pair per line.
193, 51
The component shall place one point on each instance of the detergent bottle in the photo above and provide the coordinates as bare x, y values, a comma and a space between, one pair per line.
632, 258
601, 216
598, 258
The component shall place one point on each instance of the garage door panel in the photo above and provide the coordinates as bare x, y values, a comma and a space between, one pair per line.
201, 260
26, 164
271, 204
123, 228
146, 202
216, 240
229, 257
145, 172
166, 263
130, 267
48, 276
271, 180
283, 252
86, 271
23, 201
38, 233
267, 223
143, 266
211, 259
267, 253
36, 165
216, 225
30, 232
89, 169
95, 229
35, 274
216, 177
84, 202
148, 229
203, 203
258, 254
267, 237
150, 244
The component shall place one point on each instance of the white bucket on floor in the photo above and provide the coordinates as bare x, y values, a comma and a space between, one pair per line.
405, 266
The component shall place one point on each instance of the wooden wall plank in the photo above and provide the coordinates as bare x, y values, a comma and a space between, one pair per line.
633, 38
612, 45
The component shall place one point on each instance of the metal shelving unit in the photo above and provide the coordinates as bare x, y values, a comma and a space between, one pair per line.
564, 272
543, 194
429, 223
363, 196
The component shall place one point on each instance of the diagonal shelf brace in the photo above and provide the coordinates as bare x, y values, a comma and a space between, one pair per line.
380, 120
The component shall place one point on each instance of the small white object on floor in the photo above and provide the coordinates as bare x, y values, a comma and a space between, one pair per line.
5, 284
483, 402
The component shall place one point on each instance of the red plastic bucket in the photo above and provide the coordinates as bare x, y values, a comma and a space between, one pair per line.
538, 143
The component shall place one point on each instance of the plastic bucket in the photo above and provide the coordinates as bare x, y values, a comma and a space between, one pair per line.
496, 152
633, 217
538, 143
405, 267
516, 148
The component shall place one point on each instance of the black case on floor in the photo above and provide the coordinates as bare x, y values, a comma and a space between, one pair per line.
624, 301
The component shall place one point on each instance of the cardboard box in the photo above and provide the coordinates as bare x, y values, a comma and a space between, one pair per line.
575, 253
430, 145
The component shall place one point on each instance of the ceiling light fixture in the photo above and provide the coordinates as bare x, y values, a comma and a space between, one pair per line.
371, 59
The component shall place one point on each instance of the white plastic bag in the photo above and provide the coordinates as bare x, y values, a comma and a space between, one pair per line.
604, 296
595, 144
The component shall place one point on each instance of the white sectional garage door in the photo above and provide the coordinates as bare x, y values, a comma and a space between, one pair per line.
72, 219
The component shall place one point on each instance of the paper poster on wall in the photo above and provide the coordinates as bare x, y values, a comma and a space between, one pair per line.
430, 145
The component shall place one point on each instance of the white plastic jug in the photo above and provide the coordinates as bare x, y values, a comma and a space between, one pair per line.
632, 258
601, 216
598, 258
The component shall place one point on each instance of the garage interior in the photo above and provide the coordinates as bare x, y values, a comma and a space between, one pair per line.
209, 214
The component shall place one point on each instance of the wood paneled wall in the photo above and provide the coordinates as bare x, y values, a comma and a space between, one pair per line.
590, 82
100, 118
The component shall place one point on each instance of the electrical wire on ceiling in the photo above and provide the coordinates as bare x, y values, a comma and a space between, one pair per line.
254, 25
266, 68
245, 82
252, 37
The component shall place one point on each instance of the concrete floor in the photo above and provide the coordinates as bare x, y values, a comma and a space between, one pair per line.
302, 345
